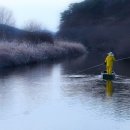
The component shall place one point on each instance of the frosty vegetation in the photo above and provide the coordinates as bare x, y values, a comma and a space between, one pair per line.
14, 54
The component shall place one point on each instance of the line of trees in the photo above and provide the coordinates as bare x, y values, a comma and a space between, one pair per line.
32, 30
94, 11
101, 25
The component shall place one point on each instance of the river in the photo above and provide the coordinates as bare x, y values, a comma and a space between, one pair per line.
55, 96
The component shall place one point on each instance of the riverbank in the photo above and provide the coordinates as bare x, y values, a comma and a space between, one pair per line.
15, 54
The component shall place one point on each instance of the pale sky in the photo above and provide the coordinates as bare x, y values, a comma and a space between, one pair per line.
46, 12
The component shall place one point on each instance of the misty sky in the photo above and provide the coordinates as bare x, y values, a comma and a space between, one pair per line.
46, 12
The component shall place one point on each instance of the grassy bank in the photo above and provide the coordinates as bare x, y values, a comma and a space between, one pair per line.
14, 54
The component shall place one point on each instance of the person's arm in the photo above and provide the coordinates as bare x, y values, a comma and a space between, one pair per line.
114, 59
105, 60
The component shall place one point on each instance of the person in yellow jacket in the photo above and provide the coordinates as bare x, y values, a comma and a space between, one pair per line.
109, 62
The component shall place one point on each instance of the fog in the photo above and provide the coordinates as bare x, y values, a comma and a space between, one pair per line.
44, 11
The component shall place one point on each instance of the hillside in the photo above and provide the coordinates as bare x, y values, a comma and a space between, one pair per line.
101, 25
8, 33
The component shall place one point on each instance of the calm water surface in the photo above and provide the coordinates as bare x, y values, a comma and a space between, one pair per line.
56, 97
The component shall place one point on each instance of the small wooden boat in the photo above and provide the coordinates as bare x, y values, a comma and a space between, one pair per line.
106, 76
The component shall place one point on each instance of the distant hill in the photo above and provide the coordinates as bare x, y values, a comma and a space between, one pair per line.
101, 25
8, 33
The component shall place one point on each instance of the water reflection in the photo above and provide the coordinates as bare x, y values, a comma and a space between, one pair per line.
23, 89
109, 88
92, 91
53, 97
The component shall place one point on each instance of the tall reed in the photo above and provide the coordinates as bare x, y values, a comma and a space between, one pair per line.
14, 54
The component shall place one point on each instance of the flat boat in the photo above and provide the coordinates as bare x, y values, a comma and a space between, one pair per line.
106, 76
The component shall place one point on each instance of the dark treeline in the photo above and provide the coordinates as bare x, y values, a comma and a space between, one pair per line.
101, 25
9, 33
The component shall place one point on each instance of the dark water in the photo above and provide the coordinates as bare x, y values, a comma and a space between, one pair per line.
56, 97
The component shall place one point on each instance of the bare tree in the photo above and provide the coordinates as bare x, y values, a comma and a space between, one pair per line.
33, 26
36, 34
6, 17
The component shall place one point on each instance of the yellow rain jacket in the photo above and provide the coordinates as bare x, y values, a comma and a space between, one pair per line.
110, 60
109, 63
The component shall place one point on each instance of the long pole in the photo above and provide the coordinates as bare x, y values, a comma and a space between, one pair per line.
92, 67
